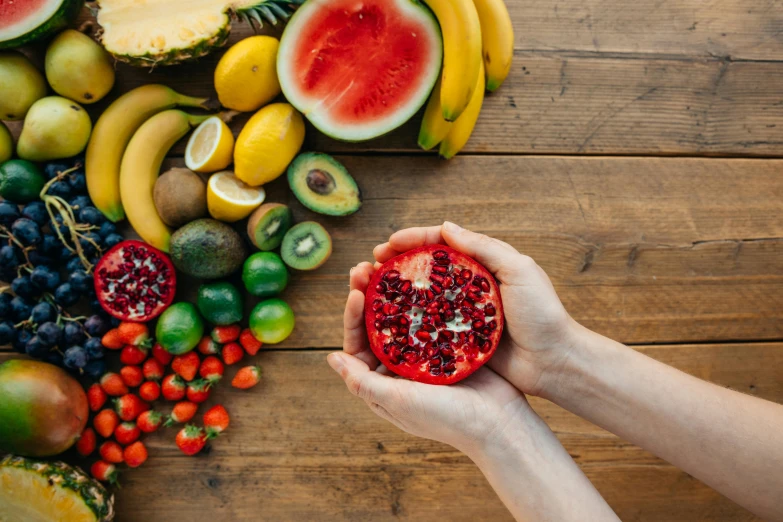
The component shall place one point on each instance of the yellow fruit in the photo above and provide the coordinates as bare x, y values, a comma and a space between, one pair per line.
268, 143
210, 147
497, 37
229, 199
54, 128
21, 85
433, 127
246, 76
6, 143
79, 68
462, 128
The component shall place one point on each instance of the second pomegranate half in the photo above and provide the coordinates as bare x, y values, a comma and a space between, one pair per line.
433, 315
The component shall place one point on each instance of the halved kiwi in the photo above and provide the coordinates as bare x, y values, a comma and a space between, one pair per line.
268, 224
322, 184
306, 246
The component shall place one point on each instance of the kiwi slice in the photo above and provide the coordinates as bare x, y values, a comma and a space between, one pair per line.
306, 246
322, 184
268, 225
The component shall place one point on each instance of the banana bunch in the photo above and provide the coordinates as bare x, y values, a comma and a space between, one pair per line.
478, 45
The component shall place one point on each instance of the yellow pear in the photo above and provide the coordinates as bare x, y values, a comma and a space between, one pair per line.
79, 68
21, 85
54, 128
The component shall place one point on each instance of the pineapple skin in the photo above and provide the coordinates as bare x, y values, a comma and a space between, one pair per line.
175, 56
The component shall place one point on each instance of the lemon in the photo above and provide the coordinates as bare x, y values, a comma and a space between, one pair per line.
228, 199
210, 146
268, 143
246, 76
6, 143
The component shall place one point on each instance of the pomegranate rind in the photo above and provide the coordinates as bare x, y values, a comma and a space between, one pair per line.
416, 266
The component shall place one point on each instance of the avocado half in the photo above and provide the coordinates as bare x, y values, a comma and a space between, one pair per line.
322, 184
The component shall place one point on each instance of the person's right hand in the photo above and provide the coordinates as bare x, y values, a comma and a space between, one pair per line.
539, 332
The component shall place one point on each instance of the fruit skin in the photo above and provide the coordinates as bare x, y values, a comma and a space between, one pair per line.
78, 68
226, 207
65, 14
6, 143
180, 196
161, 355
246, 75
249, 342
96, 397
20, 181
232, 353
111, 452
211, 369
216, 421
110, 137
149, 391
220, 303
433, 127
207, 249
268, 224
149, 421
172, 387
267, 143
183, 411
105, 422
306, 239
104, 471
460, 130
43, 411
220, 156
323, 184
135, 455
179, 328
272, 321
186, 365
264, 274
86, 443
112, 340
131, 376
497, 40
136, 334
153, 369
226, 334
127, 432
191, 439
130, 406
54, 128
247, 377
208, 346
132, 355
198, 391
21, 85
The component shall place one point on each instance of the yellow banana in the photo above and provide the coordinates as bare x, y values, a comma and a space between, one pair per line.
497, 38
111, 135
140, 167
459, 23
433, 127
462, 128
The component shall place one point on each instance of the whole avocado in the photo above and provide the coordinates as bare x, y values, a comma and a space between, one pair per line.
207, 249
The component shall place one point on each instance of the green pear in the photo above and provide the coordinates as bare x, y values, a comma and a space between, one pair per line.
21, 85
78, 68
54, 128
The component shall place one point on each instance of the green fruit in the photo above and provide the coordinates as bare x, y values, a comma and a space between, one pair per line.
220, 303
179, 328
43, 409
6, 143
268, 224
21, 85
20, 181
54, 128
264, 274
207, 249
306, 246
322, 184
272, 321
79, 68
38, 20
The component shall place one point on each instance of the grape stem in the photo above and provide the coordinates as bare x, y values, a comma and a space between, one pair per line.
5, 233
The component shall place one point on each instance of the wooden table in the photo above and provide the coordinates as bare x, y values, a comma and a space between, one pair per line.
631, 153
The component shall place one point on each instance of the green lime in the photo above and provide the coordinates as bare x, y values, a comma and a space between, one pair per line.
179, 328
6, 143
264, 274
220, 303
271, 321
20, 181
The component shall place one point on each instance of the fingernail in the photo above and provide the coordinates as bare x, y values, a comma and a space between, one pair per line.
451, 227
336, 361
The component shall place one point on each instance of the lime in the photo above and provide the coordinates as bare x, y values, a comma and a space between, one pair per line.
220, 303
264, 274
6, 143
20, 181
271, 321
179, 328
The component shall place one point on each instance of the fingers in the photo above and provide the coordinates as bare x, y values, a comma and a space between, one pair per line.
361, 275
362, 381
354, 333
384, 252
404, 240
500, 258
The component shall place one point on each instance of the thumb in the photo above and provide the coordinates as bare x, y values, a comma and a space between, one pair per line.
500, 258
361, 380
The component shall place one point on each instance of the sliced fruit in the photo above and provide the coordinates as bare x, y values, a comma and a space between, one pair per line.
220, 303
210, 147
246, 76
323, 184
229, 199
78, 68
264, 274
54, 128
179, 329
268, 224
207, 249
180, 196
20, 181
6, 143
272, 321
22, 23
21, 84
325, 71
306, 246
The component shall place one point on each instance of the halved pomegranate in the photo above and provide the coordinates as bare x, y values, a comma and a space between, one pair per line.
433, 315
134, 281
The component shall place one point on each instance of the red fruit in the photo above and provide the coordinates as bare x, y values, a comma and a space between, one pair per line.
153, 370
130, 406
161, 355
191, 439
144, 281
226, 334
86, 443
211, 369
104, 471
110, 451
149, 391
105, 422
127, 433
249, 342
215, 421
183, 411
136, 334
135, 455
172, 387
198, 391
458, 315
149, 421
131, 376
246, 377
111, 340
232, 353
186, 365
133, 354
96, 397
207, 346
113, 384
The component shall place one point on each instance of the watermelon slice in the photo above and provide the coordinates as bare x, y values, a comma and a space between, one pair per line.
24, 21
359, 68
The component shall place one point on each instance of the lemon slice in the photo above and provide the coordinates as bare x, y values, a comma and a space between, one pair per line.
229, 199
210, 147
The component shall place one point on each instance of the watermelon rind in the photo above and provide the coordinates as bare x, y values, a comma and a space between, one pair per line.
61, 17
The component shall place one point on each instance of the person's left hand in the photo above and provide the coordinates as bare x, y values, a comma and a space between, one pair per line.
466, 415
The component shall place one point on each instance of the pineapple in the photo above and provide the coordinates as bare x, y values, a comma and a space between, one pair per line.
36, 491
148, 33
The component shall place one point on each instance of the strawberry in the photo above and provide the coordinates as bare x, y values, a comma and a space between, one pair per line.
111, 340
135, 455
211, 369
149, 421
96, 396
110, 451
133, 354
130, 406
104, 471
161, 355
113, 384
172, 387
136, 334
226, 334
215, 421
207, 346
86, 443
127, 433
153, 369
149, 391
131, 376
249, 342
183, 411
186, 365
247, 377
105, 422
232, 353
191, 439
198, 391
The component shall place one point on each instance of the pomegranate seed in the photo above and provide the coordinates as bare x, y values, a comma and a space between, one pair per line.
406, 287
485, 285
436, 289
380, 287
443, 262
423, 336
466, 274
492, 325
440, 269
478, 325
489, 310
391, 275
437, 278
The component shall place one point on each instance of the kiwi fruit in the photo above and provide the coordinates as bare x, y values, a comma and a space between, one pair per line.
268, 224
306, 246
323, 184
180, 197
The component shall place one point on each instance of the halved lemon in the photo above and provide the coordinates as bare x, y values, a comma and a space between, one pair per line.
229, 199
210, 147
